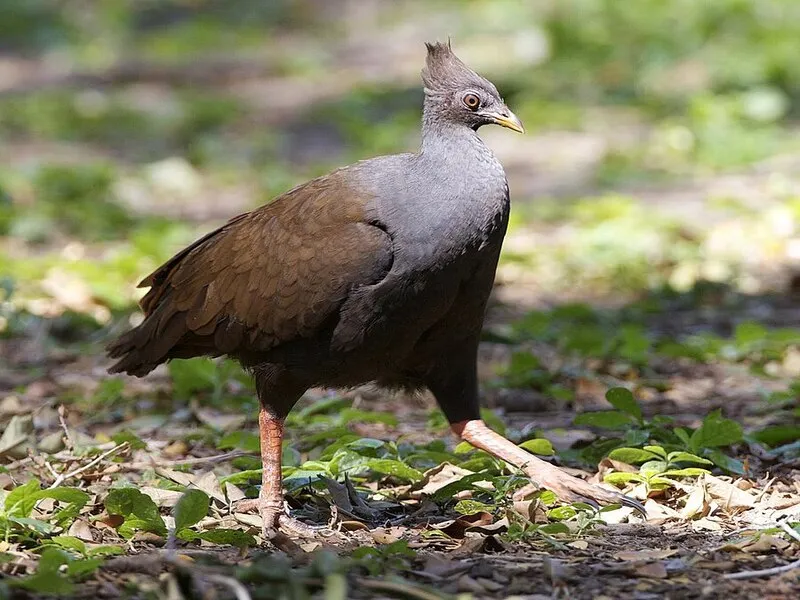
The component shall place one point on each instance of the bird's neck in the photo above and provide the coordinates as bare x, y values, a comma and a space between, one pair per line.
441, 135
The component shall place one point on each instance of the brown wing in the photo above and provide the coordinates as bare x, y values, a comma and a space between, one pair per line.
261, 279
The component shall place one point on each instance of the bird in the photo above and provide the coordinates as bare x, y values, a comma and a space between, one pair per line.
378, 272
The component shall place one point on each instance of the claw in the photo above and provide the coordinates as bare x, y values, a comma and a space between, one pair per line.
634, 504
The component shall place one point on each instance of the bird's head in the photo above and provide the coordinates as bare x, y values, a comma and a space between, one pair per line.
457, 94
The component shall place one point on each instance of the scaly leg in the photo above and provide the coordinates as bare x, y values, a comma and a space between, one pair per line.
541, 473
270, 499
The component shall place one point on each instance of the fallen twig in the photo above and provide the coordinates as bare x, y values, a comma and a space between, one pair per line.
68, 441
238, 589
96, 460
765, 490
763, 572
406, 589
165, 464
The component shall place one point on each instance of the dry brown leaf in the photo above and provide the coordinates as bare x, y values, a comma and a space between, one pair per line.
219, 421
608, 465
655, 570
781, 500
436, 478
531, 510
12, 405
176, 449
15, 436
468, 585
163, 498
763, 543
657, 512
310, 546
209, 483
696, 503
233, 493
179, 477
251, 520
81, 529
706, 524
620, 515
456, 528
645, 554
728, 495
383, 535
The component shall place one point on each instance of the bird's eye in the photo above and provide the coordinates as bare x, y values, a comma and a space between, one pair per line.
471, 101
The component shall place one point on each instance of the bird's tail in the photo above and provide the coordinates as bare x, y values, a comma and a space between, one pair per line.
143, 348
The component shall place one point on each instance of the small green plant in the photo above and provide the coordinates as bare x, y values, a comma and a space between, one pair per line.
677, 445
659, 467
56, 573
16, 522
380, 559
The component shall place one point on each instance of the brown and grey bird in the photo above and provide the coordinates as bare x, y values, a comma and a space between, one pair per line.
377, 272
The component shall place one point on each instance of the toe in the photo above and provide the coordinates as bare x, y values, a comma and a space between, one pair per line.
571, 489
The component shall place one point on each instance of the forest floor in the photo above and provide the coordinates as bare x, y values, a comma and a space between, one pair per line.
644, 332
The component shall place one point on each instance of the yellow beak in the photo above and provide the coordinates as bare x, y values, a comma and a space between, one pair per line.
506, 118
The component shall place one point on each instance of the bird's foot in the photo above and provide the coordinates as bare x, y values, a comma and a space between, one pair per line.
571, 489
277, 524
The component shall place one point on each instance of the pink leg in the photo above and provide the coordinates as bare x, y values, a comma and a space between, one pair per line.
270, 499
541, 473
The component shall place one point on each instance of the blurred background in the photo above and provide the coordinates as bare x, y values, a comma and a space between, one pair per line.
656, 204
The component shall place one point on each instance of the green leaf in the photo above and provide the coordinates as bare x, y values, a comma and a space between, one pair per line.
82, 567
464, 483
716, 431
335, 587
679, 457
45, 583
138, 509
471, 507
777, 434
105, 550
241, 477
135, 442
623, 478
41, 527
724, 461
191, 507
395, 468
622, 399
70, 543
463, 448
21, 500
538, 446
653, 467
562, 513
64, 494
547, 497
659, 483
51, 560
192, 375
605, 419
330, 405
493, 421
244, 440
632, 456
683, 436
749, 333
687, 472
657, 450
553, 528
232, 537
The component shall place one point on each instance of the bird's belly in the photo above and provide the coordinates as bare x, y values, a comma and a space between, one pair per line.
423, 311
